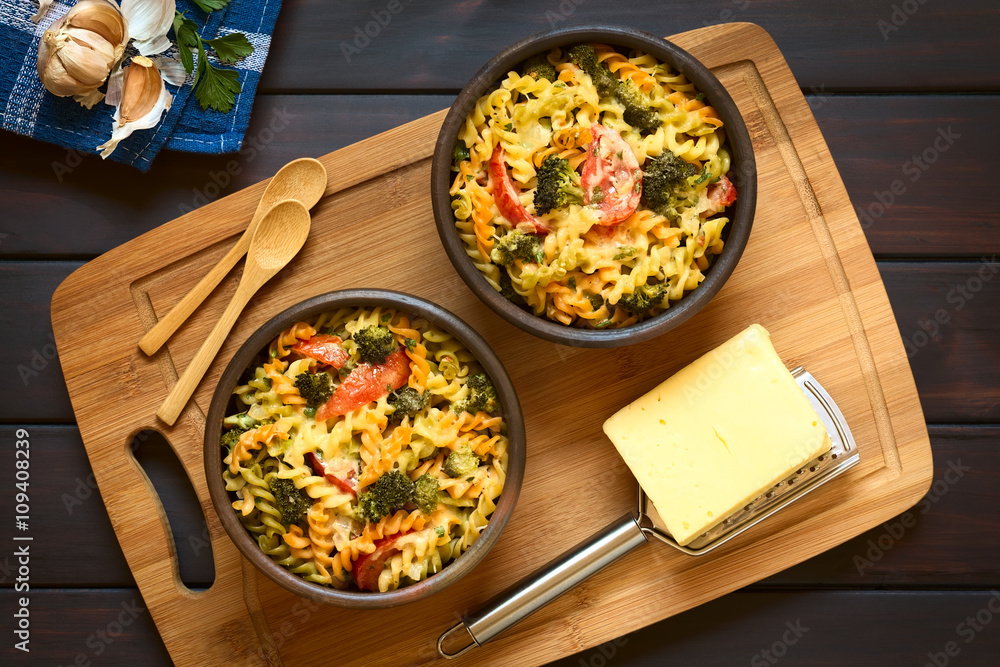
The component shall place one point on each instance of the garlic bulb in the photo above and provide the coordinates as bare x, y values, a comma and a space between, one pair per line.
149, 21
144, 98
77, 52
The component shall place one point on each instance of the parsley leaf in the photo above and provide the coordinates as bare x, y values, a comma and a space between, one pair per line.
232, 47
218, 86
624, 252
211, 5
700, 97
186, 32
215, 88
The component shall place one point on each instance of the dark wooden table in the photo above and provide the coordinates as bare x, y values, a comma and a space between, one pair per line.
905, 92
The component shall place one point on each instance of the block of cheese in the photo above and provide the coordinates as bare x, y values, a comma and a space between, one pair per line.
718, 434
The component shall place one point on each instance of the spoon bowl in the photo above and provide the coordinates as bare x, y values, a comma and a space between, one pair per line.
278, 238
303, 180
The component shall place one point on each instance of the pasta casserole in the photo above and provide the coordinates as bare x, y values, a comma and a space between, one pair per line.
590, 186
367, 451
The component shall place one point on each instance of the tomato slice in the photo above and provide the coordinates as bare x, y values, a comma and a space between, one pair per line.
505, 194
721, 194
367, 383
323, 348
341, 473
611, 176
370, 566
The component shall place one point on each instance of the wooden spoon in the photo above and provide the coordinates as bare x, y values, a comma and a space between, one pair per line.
280, 234
303, 179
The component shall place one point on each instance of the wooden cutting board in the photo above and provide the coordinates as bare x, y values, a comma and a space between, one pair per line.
807, 275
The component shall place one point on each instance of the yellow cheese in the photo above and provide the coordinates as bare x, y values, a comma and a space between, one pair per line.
718, 434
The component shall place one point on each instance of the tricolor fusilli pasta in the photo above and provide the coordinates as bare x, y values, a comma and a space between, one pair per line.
590, 186
368, 449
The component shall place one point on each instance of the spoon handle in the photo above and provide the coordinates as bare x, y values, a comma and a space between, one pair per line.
165, 328
195, 371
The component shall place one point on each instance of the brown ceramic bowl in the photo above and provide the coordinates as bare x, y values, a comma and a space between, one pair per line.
222, 404
743, 173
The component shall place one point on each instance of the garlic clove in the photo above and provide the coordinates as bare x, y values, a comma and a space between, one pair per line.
105, 20
144, 98
58, 81
86, 57
140, 91
149, 21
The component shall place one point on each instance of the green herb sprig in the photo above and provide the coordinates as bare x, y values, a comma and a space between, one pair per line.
214, 87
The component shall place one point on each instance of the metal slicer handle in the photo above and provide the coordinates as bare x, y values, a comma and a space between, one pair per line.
547, 583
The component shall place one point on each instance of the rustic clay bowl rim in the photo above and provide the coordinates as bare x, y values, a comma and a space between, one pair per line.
743, 174
259, 341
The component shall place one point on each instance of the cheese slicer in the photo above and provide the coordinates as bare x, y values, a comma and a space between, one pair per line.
634, 528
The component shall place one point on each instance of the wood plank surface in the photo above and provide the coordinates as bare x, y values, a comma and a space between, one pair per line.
57, 206
835, 628
950, 538
111, 203
955, 306
873, 140
835, 44
954, 541
815, 629
835, 315
29, 363
953, 362
918, 169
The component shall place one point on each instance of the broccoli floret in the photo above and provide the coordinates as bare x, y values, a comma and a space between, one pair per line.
242, 420
643, 299
482, 396
636, 113
425, 493
584, 57
316, 388
231, 437
407, 402
374, 343
462, 462
538, 67
645, 120
558, 185
293, 503
661, 181
460, 153
390, 492
514, 246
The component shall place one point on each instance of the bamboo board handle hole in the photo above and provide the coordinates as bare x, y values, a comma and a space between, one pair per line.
182, 513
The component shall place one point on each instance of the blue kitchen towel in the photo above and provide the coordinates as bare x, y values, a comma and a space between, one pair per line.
27, 108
